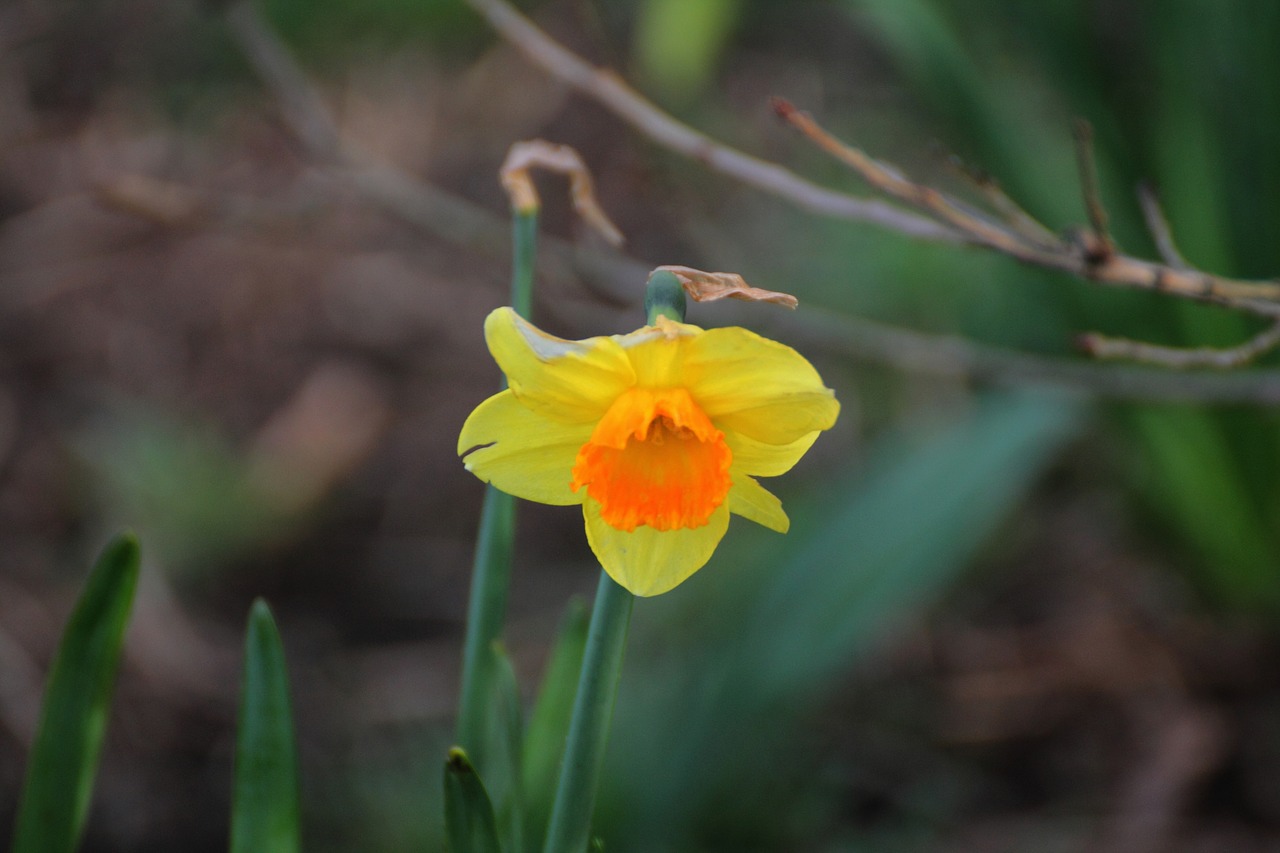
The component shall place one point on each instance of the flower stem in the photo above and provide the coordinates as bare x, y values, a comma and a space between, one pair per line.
664, 297
524, 232
569, 829
491, 573
570, 825
486, 610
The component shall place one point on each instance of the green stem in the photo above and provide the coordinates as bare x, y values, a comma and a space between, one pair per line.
570, 825
524, 232
664, 297
486, 610
491, 573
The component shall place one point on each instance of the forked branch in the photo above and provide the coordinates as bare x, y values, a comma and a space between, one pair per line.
1088, 254
931, 214
453, 218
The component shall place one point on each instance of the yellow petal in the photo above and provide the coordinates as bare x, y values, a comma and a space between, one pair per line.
753, 501
569, 381
758, 387
766, 460
521, 452
657, 352
648, 561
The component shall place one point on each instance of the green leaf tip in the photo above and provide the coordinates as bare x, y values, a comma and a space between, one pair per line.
265, 808
458, 762
260, 610
124, 544
468, 812
76, 706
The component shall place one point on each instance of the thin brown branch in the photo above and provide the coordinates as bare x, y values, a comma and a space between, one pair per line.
1085, 256
887, 179
1088, 167
301, 105
1158, 225
1013, 213
1104, 347
945, 220
960, 358
610, 91
456, 219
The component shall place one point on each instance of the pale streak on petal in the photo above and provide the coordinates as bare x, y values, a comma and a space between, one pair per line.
569, 381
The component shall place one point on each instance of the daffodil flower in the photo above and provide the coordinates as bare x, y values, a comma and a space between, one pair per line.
659, 434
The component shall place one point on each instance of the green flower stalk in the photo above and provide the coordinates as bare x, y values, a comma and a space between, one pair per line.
491, 573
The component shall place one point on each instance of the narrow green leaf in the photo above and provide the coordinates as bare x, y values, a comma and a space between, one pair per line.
468, 814
486, 610
508, 737
549, 723
491, 571
64, 760
264, 802
1190, 467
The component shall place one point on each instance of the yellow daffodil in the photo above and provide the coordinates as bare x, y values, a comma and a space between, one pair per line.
659, 434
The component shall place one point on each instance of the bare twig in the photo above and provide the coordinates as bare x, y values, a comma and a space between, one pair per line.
458, 220
1086, 256
1102, 346
435, 211
1159, 228
1013, 213
946, 219
1094, 209
301, 105
610, 91
959, 358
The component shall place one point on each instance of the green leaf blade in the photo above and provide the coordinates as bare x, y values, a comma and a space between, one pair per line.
468, 812
549, 722
264, 804
73, 721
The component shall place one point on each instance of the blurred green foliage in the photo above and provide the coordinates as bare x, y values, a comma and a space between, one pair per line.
678, 44
181, 484
1167, 87
735, 667
324, 30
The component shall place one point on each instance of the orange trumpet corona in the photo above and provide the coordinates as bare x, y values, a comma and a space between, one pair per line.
655, 458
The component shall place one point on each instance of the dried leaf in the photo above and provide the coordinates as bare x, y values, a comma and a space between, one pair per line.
710, 286
540, 154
